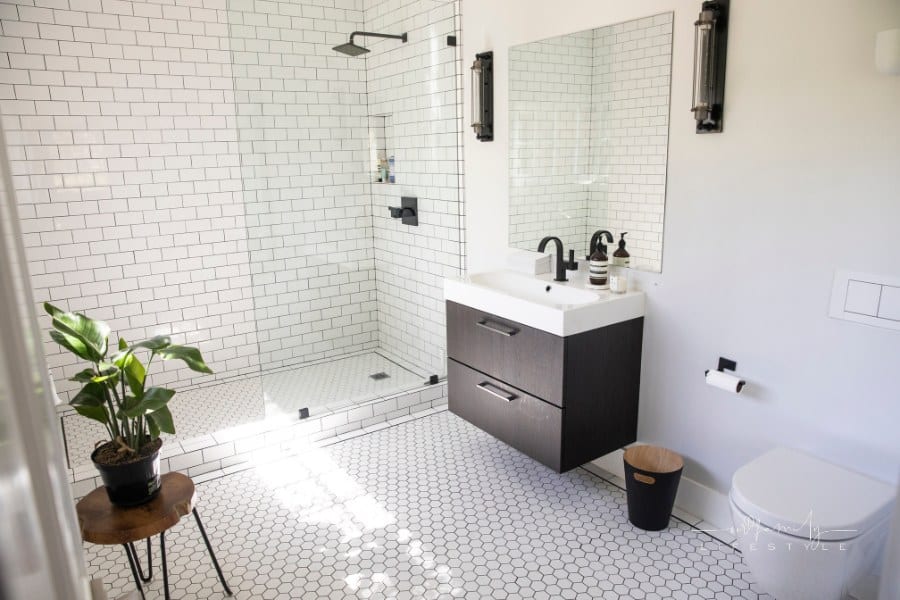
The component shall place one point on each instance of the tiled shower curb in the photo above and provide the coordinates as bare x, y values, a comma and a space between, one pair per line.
238, 448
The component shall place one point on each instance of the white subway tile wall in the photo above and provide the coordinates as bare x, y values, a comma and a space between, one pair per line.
630, 133
418, 84
589, 119
200, 168
120, 118
302, 123
550, 141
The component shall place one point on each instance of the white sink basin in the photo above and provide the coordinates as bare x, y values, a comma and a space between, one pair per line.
560, 308
546, 293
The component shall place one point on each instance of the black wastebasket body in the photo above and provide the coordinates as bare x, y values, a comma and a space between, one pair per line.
651, 489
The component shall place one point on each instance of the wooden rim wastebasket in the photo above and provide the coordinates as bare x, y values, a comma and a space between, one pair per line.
652, 475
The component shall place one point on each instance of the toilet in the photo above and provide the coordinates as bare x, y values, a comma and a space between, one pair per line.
808, 529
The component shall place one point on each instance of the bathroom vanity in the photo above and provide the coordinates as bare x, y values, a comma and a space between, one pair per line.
552, 369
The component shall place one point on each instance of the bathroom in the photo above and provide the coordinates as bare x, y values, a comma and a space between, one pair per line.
214, 171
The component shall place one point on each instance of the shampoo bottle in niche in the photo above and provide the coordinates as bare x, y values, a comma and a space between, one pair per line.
621, 258
599, 268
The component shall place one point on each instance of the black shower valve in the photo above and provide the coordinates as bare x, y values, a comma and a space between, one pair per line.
397, 212
408, 211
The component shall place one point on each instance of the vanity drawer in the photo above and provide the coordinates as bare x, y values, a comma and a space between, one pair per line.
526, 423
507, 350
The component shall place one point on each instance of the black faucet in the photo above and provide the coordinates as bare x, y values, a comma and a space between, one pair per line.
597, 241
561, 264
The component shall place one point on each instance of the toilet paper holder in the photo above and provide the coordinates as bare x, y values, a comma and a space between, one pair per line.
726, 364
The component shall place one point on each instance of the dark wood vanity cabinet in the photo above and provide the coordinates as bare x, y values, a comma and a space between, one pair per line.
564, 401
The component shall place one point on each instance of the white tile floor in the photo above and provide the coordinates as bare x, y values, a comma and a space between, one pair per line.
431, 508
320, 387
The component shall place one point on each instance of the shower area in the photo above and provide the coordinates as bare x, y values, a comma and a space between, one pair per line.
225, 175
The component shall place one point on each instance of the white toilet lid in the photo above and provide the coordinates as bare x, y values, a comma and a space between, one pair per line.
789, 491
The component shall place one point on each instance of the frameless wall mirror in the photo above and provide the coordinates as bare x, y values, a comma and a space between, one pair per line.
589, 130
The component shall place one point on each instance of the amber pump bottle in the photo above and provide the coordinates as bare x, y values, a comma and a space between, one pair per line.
621, 258
599, 268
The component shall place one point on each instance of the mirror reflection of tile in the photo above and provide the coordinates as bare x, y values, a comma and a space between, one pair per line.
589, 120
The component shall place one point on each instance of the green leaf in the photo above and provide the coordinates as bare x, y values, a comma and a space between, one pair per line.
190, 356
93, 335
108, 372
97, 413
93, 394
123, 345
162, 419
154, 428
135, 373
155, 343
73, 345
91, 402
154, 399
129, 402
83, 376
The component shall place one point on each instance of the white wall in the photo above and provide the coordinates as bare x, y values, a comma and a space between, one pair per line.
805, 178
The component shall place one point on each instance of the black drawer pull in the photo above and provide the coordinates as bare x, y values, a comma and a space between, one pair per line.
500, 392
497, 327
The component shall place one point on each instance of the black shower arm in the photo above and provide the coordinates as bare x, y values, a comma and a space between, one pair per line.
380, 35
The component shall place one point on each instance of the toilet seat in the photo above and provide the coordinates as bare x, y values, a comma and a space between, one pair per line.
799, 495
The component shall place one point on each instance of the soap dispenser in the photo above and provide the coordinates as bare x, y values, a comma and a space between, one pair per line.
621, 258
599, 267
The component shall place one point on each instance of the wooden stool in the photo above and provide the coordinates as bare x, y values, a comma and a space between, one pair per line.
102, 522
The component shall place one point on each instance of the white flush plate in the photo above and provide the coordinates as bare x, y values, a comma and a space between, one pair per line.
866, 298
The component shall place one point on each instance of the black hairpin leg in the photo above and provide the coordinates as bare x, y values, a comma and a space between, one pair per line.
165, 570
212, 554
149, 576
134, 570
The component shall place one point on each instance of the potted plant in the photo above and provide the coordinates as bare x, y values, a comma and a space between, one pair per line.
116, 393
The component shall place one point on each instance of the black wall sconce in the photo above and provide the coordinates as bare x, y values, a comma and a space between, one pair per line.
710, 44
483, 96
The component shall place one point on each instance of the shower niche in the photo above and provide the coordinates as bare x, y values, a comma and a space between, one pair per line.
383, 160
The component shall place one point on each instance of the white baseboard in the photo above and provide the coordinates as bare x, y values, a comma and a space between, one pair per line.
707, 504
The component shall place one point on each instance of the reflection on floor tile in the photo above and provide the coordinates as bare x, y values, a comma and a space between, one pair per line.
430, 508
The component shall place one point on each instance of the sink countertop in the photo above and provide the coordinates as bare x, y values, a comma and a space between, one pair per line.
560, 308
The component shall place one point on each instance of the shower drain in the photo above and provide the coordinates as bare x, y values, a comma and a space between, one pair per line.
379, 375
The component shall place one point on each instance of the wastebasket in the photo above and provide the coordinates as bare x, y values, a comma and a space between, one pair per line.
651, 482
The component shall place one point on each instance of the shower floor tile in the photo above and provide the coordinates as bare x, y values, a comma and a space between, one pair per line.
196, 412
430, 508
328, 385
200, 411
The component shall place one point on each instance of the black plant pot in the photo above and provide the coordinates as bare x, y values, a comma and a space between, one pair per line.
133, 483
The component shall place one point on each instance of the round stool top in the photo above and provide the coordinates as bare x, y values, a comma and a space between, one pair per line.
102, 522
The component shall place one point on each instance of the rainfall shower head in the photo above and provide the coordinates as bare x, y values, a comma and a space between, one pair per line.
351, 49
